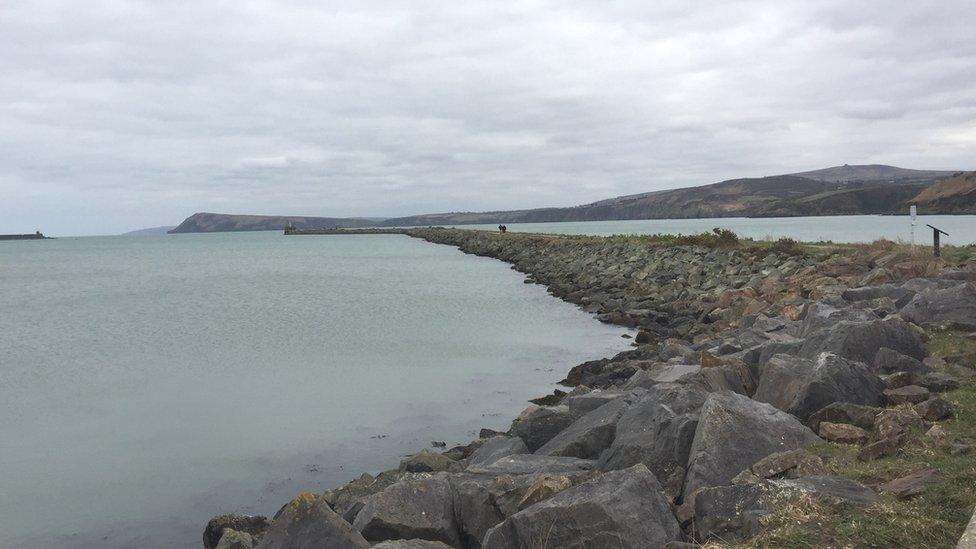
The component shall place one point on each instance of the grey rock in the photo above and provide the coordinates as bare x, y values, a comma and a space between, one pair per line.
253, 525
623, 509
790, 464
860, 341
580, 405
657, 430
802, 387
232, 539
845, 412
901, 295
715, 379
538, 424
735, 432
956, 304
896, 422
307, 522
419, 505
909, 394
934, 409
661, 373
734, 512
496, 448
347, 499
938, 382
888, 361
588, 435
426, 461
410, 544
523, 464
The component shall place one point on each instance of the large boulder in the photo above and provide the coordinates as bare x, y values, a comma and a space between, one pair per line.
956, 304
307, 522
860, 341
802, 387
419, 505
583, 404
845, 412
495, 448
588, 435
660, 373
889, 361
623, 509
657, 431
427, 461
900, 294
538, 424
347, 500
735, 432
734, 512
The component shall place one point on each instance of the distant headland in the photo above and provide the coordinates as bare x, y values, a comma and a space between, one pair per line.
31, 236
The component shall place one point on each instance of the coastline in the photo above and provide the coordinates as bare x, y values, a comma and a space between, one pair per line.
680, 293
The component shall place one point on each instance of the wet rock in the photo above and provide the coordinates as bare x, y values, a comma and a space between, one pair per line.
252, 525
845, 412
842, 433
911, 485
909, 394
416, 506
623, 509
801, 387
523, 464
888, 361
550, 400
307, 522
735, 432
657, 431
426, 461
934, 409
538, 424
589, 435
496, 448
938, 382
897, 422
734, 512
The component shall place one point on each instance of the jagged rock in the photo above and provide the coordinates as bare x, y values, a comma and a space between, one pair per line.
955, 304
888, 361
842, 433
934, 409
538, 424
580, 405
496, 448
308, 522
860, 341
410, 544
911, 485
523, 464
898, 379
588, 435
252, 525
426, 461
657, 431
734, 512
882, 448
482, 501
909, 394
802, 387
938, 382
735, 432
544, 487
897, 293
623, 509
897, 422
845, 412
661, 373
232, 539
717, 378
420, 505
791, 464
347, 499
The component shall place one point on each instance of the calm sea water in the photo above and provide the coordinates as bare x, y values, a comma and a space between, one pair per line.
147, 383
844, 228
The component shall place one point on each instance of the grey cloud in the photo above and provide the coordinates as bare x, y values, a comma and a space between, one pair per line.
117, 115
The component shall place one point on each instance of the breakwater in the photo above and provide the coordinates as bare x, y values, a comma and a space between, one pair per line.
754, 367
31, 236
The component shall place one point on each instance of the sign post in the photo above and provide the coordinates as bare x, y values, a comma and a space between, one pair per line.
912, 210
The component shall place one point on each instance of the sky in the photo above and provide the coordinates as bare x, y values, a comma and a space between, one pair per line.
122, 114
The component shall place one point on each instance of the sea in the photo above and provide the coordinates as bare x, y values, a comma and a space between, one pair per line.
150, 382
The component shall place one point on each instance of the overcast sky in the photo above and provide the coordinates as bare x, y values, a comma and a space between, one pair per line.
118, 115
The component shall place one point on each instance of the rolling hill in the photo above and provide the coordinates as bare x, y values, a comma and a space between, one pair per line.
215, 222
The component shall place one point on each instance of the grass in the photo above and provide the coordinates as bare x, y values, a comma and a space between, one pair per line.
934, 519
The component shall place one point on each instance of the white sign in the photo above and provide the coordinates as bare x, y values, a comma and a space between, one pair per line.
912, 211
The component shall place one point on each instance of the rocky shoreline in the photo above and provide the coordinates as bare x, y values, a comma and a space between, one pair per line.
746, 358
